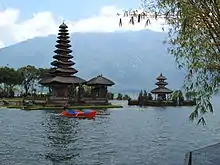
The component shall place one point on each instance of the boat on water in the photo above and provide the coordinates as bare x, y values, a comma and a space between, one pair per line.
79, 114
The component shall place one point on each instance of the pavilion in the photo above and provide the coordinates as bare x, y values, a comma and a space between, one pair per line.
161, 92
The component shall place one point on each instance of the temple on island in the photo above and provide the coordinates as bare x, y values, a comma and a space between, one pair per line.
163, 96
161, 92
61, 76
99, 89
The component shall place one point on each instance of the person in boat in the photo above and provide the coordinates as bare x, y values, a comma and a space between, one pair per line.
65, 106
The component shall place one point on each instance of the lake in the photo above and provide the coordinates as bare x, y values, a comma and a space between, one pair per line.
128, 136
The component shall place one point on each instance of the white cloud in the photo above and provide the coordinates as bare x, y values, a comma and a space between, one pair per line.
1, 44
9, 16
45, 23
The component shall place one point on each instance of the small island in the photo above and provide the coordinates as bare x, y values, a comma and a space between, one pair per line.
64, 86
163, 96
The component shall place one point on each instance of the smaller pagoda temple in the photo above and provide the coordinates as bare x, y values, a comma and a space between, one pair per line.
61, 76
99, 89
161, 92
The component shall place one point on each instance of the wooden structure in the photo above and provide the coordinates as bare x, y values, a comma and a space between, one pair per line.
161, 91
61, 76
204, 156
161, 99
99, 90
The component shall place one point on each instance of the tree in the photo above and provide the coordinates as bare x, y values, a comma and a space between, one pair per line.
194, 40
42, 72
10, 78
110, 96
29, 77
190, 95
145, 96
119, 97
178, 97
149, 96
126, 97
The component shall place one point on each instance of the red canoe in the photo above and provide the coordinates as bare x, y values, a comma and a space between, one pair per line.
79, 114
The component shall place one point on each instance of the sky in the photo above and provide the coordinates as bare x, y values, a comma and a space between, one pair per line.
25, 19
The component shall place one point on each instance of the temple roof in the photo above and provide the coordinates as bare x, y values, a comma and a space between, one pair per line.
161, 90
58, 56
68, 63
60, 50
62, 80
66, 70
161, 77
62, 40
62, 45
63, 33
63, 26
161, 83
61, 74
100, 80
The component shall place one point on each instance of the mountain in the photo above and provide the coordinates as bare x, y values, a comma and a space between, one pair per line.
131, 59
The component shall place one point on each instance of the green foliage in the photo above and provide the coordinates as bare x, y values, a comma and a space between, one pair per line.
119, 97
126, 97
42, 72
26, 77
29, 76
149, 96
140, 94
194, 36
177, 95
110, 95
194, 41
190, 95
9, 76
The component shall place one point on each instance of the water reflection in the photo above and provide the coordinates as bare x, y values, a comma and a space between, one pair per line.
127, 136
71, 140
61, 137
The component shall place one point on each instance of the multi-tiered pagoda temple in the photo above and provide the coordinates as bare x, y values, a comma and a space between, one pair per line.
61, 76
161, 91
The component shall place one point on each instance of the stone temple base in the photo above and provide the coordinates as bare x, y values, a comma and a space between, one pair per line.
97, 101
57, 101
60, 101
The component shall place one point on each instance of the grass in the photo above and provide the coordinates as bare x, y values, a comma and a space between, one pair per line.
36, 107
51, 107
12, 99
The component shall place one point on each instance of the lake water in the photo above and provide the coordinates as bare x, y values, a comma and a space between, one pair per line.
128, 136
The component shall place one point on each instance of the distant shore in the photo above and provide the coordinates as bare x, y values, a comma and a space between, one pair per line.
15, 103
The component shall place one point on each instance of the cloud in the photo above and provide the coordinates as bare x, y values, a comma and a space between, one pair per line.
8, 17
2, 44
45, 23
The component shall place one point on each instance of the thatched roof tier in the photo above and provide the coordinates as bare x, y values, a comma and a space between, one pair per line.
62, 73
63, 30
62, 80
59, 63
100, 80
161, 90
63, 51
161, 83
62, 45
161, 77
58, 56
63, 26
63, 37
62, 70
64, 40
63, 33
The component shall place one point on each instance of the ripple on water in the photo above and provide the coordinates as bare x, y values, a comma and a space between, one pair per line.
128, 136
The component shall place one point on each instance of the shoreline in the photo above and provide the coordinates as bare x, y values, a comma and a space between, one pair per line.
36, 107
